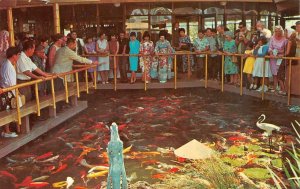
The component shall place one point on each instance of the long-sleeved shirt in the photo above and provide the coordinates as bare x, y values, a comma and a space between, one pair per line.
64, 61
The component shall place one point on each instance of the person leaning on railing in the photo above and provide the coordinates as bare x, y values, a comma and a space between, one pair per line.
201, 45
8, 78
64, 61
27, 70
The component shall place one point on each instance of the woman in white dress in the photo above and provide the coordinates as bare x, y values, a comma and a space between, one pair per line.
261, 51
102, 48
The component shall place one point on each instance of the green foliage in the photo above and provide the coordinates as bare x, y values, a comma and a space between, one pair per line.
292, 169
257, 173
209, 173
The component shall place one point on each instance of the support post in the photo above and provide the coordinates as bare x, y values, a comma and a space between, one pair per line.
222, 75
115, 73
189, 66
241, 83
10, 22
263, 81
74, 100
175, 72
52, 109
98, 19
206, 70
289, 82
25, 126
56, 18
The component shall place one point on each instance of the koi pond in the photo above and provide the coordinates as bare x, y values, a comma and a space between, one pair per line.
155, 123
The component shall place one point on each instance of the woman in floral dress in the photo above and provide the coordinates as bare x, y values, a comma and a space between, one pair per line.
163, 46
230, 66
146, 48
185, 44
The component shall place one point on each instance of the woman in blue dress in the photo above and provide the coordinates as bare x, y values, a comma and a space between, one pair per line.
230, 66
134, 46
163, 46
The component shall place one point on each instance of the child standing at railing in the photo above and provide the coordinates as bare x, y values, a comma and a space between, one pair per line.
260, 51
230, 65
249, 65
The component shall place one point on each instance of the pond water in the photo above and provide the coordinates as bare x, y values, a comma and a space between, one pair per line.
152, 121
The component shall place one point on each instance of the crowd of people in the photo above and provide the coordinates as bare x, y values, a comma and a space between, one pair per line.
32, 59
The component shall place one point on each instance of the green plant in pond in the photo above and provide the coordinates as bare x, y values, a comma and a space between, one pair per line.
292, 169
257, 173
236, 162
208, 173
235, 150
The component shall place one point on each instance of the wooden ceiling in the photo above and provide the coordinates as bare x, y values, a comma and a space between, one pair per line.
31, 3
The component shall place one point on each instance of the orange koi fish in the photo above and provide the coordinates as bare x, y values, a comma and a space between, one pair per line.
44, 156
159, 176
9, 175
149, 162
60, 168
174, 170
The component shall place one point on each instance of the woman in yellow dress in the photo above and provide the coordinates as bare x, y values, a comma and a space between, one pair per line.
249, 65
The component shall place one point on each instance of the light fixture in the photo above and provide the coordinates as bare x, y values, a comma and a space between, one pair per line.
117, 4
223, 3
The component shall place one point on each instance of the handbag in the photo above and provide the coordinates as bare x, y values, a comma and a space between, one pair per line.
8, 101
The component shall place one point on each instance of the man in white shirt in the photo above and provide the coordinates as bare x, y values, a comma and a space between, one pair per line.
27, 70
262, 30
8, 78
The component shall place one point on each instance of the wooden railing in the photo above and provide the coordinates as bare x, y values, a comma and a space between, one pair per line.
51, 79
84, 68
180, 53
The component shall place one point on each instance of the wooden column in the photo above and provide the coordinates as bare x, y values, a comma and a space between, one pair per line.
225, 16
10, 23
124, 17
98, 19
56, 18
25, 126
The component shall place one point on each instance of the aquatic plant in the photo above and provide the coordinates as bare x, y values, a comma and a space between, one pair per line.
208, 173
291, 167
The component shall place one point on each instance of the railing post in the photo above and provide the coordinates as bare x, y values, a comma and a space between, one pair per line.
18, 111
145, 78
66, 89
206, 70
222, 75
95, 77
52, 111
263, 80
189, 66
87, 81
175, 72
115, 73
241, 83
77, 84
38, 108
289, 82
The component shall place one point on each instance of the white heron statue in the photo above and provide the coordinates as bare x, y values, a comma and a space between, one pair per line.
267, 127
